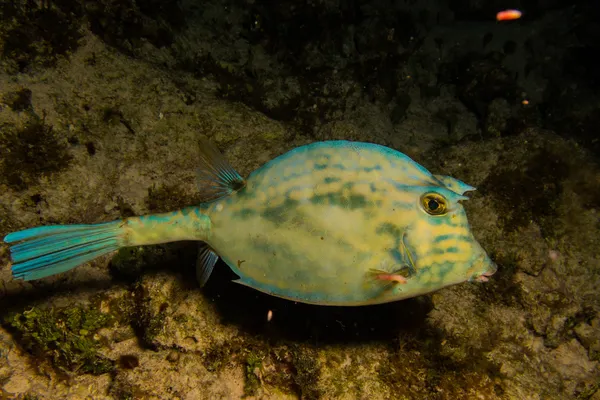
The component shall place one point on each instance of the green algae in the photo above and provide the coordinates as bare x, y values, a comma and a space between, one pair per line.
30, 151
253, 374
128, 262
121, 389
217, 357
135, 309
588, 392
18, 100
306, 377
148, 321
64, 336
28, 34
285, 369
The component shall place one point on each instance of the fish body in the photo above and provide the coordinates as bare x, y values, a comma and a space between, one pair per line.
310, 225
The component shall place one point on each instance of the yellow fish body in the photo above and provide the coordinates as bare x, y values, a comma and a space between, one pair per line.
330, 223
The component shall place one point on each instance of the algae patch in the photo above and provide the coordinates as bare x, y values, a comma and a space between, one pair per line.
65, 336
19, 100
253, 374
307, 371
28, 34
30, 151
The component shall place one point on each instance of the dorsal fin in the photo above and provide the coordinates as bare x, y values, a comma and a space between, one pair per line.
216, 177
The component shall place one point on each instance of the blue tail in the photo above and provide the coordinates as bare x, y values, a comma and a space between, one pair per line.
50, 250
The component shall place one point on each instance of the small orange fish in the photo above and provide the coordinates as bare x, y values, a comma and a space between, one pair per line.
508, 15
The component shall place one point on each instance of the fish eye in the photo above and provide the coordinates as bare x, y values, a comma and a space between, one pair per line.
434, 204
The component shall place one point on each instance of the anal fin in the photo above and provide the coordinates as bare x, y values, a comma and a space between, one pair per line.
207, 259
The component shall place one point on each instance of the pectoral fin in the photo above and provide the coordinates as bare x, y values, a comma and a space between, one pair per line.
389, 279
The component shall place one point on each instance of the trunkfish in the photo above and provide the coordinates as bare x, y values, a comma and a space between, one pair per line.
329, 223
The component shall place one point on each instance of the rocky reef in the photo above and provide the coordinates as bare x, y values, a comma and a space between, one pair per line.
102, 105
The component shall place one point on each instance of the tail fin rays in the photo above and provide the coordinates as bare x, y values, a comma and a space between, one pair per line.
49, 250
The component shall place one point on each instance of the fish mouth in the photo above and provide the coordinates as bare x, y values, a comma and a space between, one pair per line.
489, 268
485, 276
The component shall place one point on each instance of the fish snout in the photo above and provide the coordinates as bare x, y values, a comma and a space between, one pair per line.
483, 268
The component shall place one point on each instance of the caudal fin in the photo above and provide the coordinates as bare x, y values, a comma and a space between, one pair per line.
48, 250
